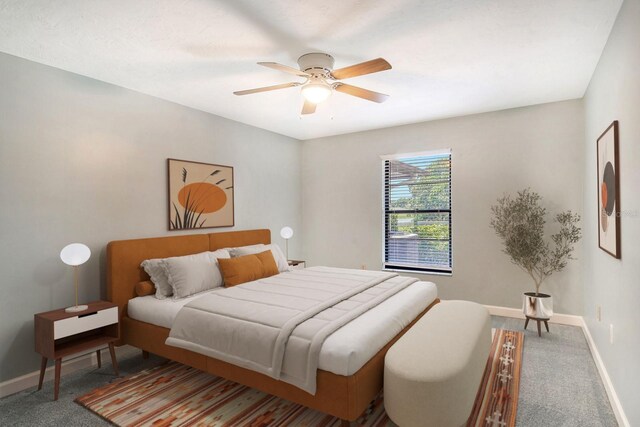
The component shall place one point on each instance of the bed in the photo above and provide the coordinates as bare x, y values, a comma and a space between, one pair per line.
347, 379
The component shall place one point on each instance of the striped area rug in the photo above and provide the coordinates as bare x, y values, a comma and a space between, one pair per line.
174, 395
497, 398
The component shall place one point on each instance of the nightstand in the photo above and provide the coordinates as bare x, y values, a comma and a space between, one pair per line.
296, 264
60, 334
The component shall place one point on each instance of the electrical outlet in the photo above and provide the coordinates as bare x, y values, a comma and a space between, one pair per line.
599, 313
611, 333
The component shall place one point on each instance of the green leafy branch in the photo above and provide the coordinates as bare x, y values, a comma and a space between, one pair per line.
520, 222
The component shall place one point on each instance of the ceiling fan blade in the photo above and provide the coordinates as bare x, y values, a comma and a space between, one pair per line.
266, 88
308, 107
284, 68
361, 69
361, 93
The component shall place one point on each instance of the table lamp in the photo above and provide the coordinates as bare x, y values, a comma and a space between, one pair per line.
75, 254
286, 233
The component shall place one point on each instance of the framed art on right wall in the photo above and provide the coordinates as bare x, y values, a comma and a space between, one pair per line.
609, 191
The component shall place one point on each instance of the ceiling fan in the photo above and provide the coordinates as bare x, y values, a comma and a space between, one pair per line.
322, 79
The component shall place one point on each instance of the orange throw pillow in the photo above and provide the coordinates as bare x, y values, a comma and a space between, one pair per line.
247, 268
145, 288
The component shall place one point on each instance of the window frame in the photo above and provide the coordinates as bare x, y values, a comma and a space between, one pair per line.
386, 214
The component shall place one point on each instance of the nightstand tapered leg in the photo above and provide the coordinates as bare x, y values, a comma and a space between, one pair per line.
99, 358
114, 362
43, 368
56, 385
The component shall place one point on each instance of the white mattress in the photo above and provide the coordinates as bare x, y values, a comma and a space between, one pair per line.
345, 351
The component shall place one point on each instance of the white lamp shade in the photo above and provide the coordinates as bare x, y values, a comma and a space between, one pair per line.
286, 233
316, 92
75, 254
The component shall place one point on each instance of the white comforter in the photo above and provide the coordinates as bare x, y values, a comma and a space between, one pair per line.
277, 325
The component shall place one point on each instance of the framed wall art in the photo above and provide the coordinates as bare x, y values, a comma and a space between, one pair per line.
609, 191
200, 195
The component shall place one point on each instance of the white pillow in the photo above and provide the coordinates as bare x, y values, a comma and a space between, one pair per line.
188, 275
236, 252
278, 256
156, 272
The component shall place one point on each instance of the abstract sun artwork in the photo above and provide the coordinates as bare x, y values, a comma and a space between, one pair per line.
200, 195
609, 191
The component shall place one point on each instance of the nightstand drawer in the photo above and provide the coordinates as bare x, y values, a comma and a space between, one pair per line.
296, 264
75, 325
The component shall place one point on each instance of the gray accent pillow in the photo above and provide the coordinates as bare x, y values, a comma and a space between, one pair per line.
242, 250
191, 274
156, 272
278, 255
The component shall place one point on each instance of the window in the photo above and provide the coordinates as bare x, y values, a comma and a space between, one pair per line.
417, 212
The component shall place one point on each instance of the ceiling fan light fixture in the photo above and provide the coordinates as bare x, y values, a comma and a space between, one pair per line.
316, 92
316, 68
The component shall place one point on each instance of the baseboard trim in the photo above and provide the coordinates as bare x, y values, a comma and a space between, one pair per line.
606, 380
560, 319
69, 366
572, 320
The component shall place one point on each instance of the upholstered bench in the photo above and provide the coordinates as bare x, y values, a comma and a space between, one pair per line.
432, 373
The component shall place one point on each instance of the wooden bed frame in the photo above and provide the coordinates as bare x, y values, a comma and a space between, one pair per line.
345, 397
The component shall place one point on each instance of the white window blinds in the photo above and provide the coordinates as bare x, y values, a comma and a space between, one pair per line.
417, 212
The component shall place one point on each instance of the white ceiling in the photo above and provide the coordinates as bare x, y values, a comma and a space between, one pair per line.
449, 57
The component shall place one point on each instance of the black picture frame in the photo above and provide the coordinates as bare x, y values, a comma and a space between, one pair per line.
608, 189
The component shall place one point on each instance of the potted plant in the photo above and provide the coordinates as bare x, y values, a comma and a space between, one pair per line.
520, 222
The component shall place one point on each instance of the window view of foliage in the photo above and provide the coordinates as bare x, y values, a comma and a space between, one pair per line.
419, 209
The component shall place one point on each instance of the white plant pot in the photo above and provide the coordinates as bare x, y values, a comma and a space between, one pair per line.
537, 306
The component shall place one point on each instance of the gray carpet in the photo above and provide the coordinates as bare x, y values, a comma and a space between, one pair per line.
37, 408
560, 386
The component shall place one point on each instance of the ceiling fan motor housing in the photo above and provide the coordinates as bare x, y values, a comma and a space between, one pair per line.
316, 63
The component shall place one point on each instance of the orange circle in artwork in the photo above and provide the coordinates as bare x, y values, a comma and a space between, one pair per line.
203, 197
603, 192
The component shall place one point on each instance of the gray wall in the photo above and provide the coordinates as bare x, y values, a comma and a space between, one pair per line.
82, 160
614, 94
540, 147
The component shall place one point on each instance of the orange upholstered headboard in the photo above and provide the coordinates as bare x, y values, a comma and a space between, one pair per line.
124, 256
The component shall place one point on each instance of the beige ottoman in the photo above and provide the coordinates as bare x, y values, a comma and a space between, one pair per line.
432, 373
